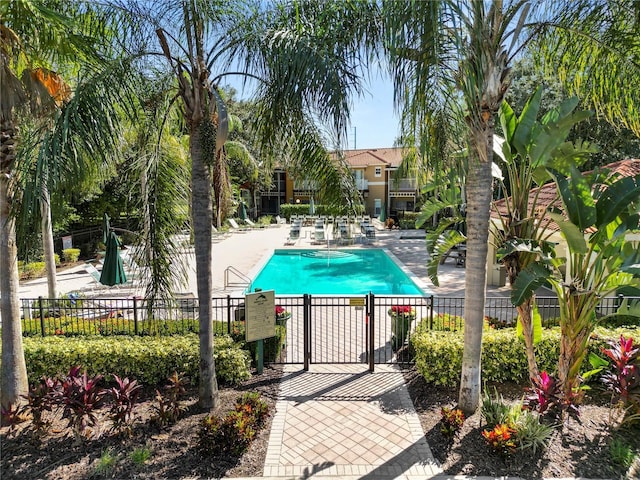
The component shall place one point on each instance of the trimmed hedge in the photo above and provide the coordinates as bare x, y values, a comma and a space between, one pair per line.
438, 354
272, 346
150, 360
288, 209
73, 326
71, 254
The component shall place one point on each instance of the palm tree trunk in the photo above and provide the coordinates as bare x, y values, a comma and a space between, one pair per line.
47, 240
14, 381
202, 217
478, 207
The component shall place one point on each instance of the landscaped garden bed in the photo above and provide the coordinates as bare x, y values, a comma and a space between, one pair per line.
153, 449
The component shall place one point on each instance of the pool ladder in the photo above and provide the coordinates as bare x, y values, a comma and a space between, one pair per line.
235, 278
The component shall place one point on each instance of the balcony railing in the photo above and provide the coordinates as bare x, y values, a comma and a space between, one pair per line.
362, 184
404, 184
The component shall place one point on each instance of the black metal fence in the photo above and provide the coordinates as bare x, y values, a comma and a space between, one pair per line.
135, 316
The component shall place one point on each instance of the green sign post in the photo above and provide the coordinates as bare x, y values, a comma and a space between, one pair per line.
260, 321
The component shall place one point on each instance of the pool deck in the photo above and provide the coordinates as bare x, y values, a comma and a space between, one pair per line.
246, 251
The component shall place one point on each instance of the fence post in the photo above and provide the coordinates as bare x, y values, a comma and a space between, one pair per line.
229, 314
306, 341
135, 314
371, 332
41, 308
431, 312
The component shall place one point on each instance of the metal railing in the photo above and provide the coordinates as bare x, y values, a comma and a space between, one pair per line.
241, 280
327, 314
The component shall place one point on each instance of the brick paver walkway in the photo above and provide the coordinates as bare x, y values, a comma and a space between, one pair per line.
342, 420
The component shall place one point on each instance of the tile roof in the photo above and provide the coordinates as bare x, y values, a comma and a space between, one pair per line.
548, 195
389, 157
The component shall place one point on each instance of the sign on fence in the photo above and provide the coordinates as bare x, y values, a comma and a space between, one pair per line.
67, 242
260, 317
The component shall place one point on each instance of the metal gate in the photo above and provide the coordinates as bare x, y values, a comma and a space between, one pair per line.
354, 329
341, 329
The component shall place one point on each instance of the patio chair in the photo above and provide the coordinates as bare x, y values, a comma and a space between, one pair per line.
318, 235
235, 227
280, 220
217, 235
294, 235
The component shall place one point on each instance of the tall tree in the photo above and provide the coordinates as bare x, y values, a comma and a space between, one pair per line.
34, 36
302, 73
436, 44
599, 209
530, 146
470, 45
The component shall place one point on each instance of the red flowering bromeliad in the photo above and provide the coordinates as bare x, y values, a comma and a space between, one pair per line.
281, 312
405, 311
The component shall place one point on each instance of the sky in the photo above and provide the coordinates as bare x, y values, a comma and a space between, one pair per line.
372, 116
376, 124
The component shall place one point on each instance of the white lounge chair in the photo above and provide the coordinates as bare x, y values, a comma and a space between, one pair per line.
252, 224
234, 225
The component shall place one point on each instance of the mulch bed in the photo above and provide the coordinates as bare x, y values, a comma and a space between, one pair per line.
174, 449
578, 450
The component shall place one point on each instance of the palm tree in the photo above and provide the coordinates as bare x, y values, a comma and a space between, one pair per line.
470, 45
432, 44
302, 74
58, 34
22, 88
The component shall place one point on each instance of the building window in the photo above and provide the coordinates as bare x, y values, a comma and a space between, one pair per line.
377, 207
378, 171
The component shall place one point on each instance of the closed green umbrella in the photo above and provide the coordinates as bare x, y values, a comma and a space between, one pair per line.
113, 268
312, 207
106, 228
243, 212
382, 217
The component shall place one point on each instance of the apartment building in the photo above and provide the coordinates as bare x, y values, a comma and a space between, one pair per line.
373, 171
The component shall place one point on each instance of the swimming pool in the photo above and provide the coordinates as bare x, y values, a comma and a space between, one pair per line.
336, 272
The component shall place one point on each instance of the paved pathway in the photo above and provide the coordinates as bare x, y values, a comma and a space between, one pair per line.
341, 421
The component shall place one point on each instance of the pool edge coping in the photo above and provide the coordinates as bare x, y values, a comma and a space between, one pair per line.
418, 282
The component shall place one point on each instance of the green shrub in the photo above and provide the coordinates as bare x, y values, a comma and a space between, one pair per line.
149, 360
56, 259
494, 410
438, 354
408, 221
232, 434
71, 255
265, 220
58, 322
272, 346
232, 362
621, 453
288, 209
33, 270
530, 432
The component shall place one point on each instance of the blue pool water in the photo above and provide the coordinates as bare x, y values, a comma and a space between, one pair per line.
336, 272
